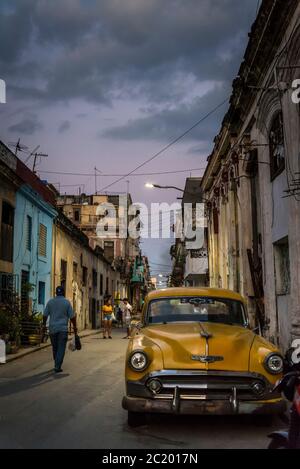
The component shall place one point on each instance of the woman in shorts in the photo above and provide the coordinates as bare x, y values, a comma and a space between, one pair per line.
107, 316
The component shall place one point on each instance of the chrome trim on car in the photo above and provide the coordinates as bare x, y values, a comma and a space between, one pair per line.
210, 385
200, 373
207, 358
234, 401
176, 400
201, 407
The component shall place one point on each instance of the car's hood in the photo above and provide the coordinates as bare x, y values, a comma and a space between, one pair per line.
184, 344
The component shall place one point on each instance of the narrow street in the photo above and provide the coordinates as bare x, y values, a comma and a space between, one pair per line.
81, 408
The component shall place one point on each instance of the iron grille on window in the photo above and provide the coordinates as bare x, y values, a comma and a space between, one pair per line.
43, 240
276, 142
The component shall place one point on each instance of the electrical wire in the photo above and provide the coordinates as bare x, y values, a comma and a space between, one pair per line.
166, 147
62, 173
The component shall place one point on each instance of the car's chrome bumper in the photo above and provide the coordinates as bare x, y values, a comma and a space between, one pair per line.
202, 392
202, 407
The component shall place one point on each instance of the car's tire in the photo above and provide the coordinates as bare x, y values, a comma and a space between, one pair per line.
276, 444
264, 420
136, 419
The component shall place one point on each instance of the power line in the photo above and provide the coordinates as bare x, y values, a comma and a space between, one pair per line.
166, 147
63, 173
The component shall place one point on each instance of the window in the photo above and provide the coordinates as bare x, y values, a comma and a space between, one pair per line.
42, 288
276, 144
215, 221
196, 309
7, 232
107, 286
63, 273
282, 267
95, 278
29, 233
43, 240
109, 249
101, 284
76, 214
84, 276
75, 270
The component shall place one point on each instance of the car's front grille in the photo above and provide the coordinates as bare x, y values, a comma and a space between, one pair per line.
211, 386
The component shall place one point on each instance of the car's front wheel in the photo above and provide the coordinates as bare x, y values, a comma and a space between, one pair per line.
136, 419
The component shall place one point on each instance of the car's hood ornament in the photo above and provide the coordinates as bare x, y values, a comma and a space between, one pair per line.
207, 358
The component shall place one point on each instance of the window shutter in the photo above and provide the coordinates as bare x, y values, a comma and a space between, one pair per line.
29, 233
43, 240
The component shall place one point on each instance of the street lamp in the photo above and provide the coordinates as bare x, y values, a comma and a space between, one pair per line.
150, 185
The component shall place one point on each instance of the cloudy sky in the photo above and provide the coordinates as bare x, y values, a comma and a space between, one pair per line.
108, 83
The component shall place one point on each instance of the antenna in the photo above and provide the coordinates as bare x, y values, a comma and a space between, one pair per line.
18, 146
32, 153
97, 174
35, 158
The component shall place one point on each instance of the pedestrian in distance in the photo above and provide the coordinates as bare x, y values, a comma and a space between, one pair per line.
59, 311
119, 316
107, 317
127, 310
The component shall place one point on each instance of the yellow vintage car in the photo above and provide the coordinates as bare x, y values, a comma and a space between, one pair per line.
194, 353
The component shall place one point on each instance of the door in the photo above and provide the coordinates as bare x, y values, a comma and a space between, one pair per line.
94, 314
25, 291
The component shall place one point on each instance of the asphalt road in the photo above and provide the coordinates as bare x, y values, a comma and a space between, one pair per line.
81, 407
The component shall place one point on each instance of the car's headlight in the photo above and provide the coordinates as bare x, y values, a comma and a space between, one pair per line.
138, 361
274, 363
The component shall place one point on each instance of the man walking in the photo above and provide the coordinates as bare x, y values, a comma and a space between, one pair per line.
59, 311
127, 310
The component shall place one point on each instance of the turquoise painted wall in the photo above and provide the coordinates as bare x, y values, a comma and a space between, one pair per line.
30, 204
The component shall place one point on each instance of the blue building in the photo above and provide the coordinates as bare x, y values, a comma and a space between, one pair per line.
32, 258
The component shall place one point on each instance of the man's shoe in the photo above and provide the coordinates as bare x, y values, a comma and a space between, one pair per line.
110, 337
58, 370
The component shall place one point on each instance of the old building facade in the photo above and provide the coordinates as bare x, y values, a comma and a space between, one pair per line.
252, 178
189, 253
83, 272
111, 214
10, 183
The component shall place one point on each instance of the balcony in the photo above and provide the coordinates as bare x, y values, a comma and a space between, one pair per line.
138, 273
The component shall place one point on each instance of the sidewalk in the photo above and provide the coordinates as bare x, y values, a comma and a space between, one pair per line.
27, 350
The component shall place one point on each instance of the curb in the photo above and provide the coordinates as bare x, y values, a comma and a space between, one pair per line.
43, 346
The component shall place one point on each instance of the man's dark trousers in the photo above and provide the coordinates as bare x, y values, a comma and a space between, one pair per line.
59, 342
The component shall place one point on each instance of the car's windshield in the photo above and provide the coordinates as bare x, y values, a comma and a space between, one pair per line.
198, 308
